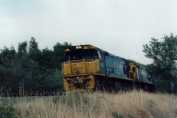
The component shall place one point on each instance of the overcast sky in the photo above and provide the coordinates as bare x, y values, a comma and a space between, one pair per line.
118, 26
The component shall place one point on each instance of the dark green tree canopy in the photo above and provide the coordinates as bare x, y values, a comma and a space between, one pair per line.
163, 52
22, 48
30, 68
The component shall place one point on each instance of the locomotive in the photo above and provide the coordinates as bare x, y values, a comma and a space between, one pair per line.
87, 67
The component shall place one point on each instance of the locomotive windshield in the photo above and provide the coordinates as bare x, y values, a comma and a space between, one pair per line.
81, 54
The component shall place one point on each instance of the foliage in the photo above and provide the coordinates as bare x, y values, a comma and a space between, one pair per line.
30, 70
164, 55
132, 104
117, 115
7, 111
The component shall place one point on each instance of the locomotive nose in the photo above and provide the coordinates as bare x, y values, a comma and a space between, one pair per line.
78, 68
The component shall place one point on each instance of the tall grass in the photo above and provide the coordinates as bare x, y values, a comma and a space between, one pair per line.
135, 104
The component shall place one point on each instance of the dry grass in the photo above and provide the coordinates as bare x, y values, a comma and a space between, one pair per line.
99, 105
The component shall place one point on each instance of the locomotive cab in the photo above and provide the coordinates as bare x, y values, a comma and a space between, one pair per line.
80, 65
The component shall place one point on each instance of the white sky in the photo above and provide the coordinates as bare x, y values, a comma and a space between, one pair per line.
118, 26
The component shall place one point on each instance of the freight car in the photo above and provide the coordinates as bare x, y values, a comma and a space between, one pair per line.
87, 67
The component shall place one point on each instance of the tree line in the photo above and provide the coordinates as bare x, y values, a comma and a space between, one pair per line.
163, 69
30, 70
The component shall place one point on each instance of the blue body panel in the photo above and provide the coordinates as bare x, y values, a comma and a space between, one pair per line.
114, 66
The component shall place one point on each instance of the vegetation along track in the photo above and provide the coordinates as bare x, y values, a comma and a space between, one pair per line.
134, 104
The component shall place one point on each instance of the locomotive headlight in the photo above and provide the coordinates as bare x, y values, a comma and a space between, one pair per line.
78, 47
77, 78
85, 47
67, 50
90, 77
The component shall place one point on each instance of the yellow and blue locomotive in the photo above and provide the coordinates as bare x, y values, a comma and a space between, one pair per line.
87, 67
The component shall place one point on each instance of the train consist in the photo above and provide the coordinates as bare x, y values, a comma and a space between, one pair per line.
87, 67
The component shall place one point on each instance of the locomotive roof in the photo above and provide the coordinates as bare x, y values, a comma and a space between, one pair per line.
120, 57
88, 46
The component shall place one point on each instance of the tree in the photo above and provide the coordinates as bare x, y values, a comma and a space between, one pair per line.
164, 55
46, 58
7, 72
34, 51
31, 70
59, 53
22, 49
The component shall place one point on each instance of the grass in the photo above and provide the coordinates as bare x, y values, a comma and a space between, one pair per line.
135, 104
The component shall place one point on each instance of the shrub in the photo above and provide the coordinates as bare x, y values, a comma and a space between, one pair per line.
117, 115
7, 111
